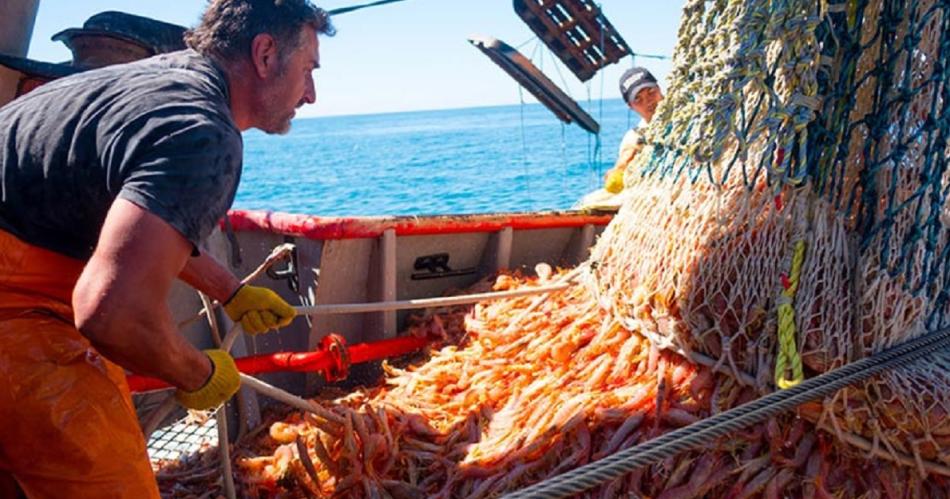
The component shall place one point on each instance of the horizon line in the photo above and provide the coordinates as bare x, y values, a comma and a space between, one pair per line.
457, 108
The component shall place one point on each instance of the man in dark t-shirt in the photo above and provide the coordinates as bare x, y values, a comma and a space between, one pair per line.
157, 133
109, 182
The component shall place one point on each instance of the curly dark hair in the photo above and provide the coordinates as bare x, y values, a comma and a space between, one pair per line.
228, 26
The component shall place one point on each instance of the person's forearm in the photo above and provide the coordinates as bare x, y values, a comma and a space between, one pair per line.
120, 300
148, 338
205, 274
139, 335
625, 156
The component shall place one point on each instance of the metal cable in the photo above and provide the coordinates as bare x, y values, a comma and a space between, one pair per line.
650, 56
706, 431
344, 10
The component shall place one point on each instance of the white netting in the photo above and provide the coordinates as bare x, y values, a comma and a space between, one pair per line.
732, 184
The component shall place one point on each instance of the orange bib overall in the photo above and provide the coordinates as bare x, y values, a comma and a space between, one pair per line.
67, 424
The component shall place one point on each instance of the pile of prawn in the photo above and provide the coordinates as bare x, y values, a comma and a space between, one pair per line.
525, 389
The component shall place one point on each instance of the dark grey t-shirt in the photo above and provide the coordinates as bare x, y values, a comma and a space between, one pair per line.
157, 132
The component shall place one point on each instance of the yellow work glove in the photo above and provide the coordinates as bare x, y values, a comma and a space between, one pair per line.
222, 384
258, 309
614, 181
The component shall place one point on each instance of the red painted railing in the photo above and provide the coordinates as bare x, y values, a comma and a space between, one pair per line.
322, 228
333, 359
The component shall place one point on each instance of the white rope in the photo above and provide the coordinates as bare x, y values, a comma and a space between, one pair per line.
385, 306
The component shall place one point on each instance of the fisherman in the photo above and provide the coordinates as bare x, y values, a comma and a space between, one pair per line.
642, 93
110, 180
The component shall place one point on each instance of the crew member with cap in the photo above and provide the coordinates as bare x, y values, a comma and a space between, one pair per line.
641, 92
110, 180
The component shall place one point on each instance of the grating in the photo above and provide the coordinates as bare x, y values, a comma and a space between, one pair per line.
182, 438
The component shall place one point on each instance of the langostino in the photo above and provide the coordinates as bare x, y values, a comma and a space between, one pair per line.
494, 408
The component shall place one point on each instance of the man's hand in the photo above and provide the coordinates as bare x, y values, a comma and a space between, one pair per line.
220, 386
258, 309
613, 181
629, 147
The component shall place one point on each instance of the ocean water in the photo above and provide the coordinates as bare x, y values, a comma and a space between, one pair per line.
477, 160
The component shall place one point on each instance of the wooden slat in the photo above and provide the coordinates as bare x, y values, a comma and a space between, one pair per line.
556, 22
613, 52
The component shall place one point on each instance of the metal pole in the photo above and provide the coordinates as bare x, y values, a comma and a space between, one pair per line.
355, 308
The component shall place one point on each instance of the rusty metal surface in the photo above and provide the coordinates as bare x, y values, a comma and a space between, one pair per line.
531, 78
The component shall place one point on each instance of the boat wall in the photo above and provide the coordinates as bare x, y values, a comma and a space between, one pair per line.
368, 259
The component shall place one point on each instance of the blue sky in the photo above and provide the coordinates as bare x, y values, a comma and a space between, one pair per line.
410, 55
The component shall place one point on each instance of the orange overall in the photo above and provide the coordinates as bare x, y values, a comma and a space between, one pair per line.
67, 424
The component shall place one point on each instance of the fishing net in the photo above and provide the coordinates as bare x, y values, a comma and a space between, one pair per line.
788, 214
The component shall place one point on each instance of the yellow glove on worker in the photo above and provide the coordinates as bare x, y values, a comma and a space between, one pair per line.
222, 384
259, 309
614, 181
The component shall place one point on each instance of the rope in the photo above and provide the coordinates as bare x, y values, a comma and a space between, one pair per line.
788, 352
221, 414
522, 44
279, 253
344, 10
650, 56
709, 86
524, 143
702, 433
417, 303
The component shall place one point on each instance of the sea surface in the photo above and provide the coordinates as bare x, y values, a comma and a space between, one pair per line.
492, 159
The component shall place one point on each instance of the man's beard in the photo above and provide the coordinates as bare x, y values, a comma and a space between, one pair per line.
278, 122
278, 125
